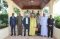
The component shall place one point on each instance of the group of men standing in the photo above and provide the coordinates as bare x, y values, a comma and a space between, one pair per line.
34, 24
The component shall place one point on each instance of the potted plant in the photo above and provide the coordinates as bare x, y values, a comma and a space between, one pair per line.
57, 22
57, 27
3, 20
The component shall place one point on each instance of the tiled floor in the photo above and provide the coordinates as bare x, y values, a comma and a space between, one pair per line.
27, 37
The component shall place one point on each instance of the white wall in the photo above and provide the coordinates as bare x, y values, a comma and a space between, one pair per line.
56, 8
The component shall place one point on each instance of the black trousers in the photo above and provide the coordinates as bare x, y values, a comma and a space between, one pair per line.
50, 31
13, 30
39, 30
26, 28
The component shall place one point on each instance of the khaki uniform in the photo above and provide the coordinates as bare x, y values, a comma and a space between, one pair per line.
19, 25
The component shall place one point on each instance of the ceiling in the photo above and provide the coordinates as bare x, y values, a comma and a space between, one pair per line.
31, 4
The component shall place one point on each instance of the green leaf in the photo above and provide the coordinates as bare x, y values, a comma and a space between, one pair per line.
16, 10
57, 21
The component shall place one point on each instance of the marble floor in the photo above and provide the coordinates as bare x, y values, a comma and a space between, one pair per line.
27, 37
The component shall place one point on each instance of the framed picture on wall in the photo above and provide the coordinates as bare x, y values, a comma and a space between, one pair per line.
46, 9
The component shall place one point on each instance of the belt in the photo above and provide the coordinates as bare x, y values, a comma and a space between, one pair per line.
50, 25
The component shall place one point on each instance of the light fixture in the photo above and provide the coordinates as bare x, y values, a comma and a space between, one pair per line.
31, 1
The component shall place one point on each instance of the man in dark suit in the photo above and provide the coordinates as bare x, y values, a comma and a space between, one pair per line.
50, 26
26, 23
13, 24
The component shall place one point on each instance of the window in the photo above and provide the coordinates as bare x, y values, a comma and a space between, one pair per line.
0, 1
3, 5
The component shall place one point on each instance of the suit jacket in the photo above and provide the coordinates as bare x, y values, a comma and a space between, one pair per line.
50, 21
12, 21
24, 22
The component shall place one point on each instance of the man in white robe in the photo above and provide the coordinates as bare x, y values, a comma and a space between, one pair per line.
43, 23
